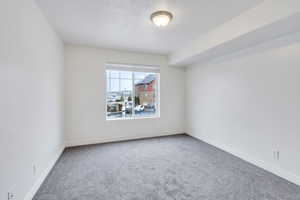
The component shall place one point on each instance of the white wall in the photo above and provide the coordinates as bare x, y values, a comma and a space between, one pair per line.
85, 97
249, 105
31, 104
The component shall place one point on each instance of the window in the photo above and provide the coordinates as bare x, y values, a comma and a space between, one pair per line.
131, 94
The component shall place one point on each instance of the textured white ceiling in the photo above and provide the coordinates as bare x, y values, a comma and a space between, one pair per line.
125, 24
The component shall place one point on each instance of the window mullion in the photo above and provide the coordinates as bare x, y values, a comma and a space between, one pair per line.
157, 95
133, 95
123, 103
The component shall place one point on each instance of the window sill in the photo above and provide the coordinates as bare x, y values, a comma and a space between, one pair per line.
133, 118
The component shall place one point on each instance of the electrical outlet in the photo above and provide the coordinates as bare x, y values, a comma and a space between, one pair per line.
276, 154
11, 196
34, 169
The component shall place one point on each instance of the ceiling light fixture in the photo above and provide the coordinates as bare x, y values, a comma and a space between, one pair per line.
161, 18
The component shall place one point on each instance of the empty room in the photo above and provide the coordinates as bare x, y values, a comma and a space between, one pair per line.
149, 100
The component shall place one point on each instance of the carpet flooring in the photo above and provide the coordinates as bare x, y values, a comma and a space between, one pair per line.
165, 168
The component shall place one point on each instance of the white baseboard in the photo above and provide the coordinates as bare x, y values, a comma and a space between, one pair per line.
88, 141
43, 176
260, 163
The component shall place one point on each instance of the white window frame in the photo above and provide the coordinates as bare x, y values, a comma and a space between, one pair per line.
135, 68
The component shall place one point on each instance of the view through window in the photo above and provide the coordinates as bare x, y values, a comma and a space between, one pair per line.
131, 94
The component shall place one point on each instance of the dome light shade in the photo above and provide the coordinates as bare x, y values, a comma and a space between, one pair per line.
161, 18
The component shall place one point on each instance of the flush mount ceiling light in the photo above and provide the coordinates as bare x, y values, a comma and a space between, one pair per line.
161, 18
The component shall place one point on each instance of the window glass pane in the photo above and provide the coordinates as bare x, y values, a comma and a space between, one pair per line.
126, 88
128, 103
126, 84
114, 85
115, 105
127, 98
140, 75
107, 82
145, 94
119, 96
125, 75
113, 74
